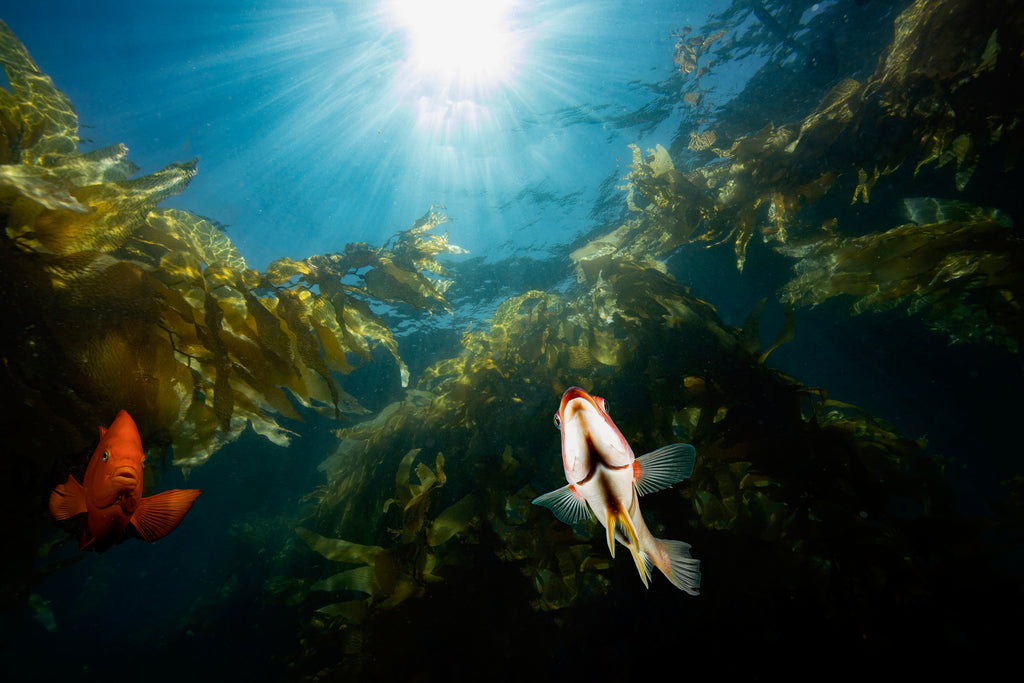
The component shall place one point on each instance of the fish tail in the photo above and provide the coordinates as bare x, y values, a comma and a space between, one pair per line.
674, 560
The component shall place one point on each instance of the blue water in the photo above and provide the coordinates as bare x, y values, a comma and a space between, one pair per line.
314, 129
311, 133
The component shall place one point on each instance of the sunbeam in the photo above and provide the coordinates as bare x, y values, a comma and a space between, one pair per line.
465, 45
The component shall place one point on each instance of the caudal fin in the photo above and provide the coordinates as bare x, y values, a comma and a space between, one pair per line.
158, 515
681, 569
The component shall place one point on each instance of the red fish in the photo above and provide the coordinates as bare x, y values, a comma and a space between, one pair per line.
604, 474
110, 495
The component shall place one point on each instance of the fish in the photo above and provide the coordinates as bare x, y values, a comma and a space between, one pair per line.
606, 478
110, 495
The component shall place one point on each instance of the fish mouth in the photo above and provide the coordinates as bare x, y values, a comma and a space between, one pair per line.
574, 393
568, 411
125, 476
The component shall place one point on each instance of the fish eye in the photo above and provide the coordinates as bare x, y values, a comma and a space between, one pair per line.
106, 455
558, 420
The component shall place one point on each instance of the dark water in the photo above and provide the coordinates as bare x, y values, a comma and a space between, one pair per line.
900, 550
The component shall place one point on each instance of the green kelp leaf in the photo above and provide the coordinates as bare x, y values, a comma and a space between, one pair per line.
339, 550
354, 611
358, 579
750, 336
402, 486
453, 520
963, 278
785, 335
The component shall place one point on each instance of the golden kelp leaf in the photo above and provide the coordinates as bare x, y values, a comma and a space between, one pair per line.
104, 165
339, 550
45, 116
390, 282
284, 269
834, 109
184, 267
702, 141
361, 323
199, 236
925, 210
659, 161
293, 309
417, 248
116, 210
38, 185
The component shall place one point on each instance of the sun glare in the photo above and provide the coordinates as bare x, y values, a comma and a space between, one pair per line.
464, 45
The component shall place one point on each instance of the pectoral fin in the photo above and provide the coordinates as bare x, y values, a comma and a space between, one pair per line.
67, 500
664, 467
158, 515
567, 505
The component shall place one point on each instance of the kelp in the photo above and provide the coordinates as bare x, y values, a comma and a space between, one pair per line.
929, 107
389, 576
763, 440
961, 275
154, 310
798, 492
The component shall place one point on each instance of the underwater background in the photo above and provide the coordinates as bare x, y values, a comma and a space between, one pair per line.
340, 261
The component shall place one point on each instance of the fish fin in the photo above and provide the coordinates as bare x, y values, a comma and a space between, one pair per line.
610, 527
683, 571
621, 518
87, 538
67, 500
644, 565
664, 467
567, 505
158, 515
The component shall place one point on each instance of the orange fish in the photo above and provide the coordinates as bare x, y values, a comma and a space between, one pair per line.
111, 493
604, 475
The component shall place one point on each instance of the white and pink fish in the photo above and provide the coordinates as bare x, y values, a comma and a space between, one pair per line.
604, 474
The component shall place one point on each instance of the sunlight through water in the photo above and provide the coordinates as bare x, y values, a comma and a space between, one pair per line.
458, 55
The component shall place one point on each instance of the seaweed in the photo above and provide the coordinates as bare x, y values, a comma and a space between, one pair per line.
120, 303
791, 186
153, 310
